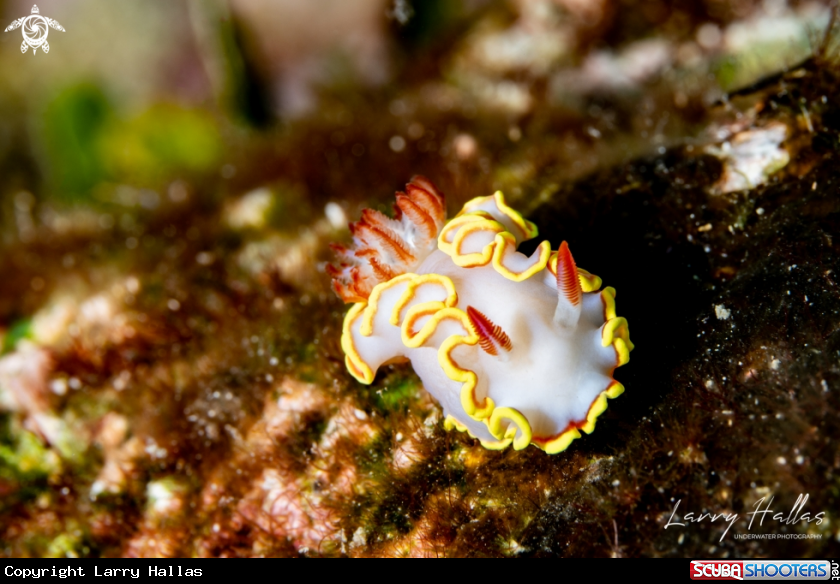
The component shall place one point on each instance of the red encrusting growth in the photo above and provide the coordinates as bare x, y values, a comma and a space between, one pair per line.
383, 247
568, 282
490, 335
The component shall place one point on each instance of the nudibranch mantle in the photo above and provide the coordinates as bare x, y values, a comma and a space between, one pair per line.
517, 350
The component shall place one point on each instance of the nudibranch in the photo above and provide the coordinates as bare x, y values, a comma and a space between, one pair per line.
517, 350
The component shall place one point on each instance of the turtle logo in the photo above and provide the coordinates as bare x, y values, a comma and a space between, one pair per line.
35, 31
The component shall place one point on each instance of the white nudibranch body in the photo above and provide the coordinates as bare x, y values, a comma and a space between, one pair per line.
517, 350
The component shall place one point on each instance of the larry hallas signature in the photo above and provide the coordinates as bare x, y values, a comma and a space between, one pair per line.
793, 517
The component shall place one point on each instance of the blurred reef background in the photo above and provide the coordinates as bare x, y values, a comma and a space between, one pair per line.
172, 173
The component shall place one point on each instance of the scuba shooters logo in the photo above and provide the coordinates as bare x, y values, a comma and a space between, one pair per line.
764, 570
712, 570
35, 30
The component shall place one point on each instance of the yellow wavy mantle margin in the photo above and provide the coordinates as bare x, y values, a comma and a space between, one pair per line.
614, 331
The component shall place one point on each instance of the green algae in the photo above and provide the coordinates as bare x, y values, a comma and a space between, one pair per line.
21, 329
74, 124
397, 395
159, 143
87, 141
398, 391
27, 458
67, 545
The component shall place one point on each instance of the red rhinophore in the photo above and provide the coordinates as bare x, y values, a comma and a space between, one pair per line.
489, 335
568, 282
383, 247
